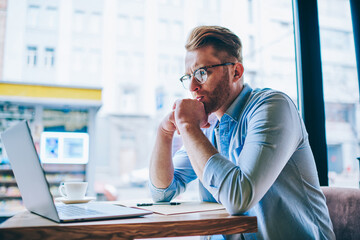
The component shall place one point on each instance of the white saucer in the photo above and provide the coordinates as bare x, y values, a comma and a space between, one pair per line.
70, 201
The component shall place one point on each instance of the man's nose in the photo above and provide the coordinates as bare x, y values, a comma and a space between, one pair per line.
194, 85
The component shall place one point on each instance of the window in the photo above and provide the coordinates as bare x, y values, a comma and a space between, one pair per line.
94, 62
250, 11
164, 66
122, 63
160, 98
341, 92
95, 23
177, 32
123, 25
49, 58
33, 15
336, 164
178, 66
79, 18
138, 27
336, 39
31, 56
78, 59
163, 2
268, 51
213, 5
142, 50
251, 78
251, 48
50, 17
129, 100
176, 3
164, 30
138, 65
340, 112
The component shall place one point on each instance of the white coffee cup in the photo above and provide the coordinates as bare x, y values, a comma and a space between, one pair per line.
73, 190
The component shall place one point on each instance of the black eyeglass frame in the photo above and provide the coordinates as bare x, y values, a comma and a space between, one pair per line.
189, 76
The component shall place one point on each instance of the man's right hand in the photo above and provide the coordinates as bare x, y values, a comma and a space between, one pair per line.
161, 165
168, 126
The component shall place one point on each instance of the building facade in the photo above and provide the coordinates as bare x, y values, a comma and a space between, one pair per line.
135, 51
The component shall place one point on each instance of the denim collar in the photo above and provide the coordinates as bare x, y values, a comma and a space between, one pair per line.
239, 103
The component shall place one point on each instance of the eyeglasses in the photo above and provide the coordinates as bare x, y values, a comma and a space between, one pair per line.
200, 75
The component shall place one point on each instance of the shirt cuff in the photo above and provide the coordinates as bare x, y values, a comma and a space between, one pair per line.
215, 171
162, 194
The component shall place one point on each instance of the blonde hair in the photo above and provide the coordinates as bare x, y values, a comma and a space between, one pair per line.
221, 38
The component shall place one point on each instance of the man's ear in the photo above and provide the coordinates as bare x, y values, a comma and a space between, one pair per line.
239, 71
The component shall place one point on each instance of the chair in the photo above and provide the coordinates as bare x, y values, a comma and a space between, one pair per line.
344, 209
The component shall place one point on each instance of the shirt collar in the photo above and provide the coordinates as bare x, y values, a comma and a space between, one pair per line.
239, 103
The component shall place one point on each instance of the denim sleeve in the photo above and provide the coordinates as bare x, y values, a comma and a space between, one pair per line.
183, 175
273, 132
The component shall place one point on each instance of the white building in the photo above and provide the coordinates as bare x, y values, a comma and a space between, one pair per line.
135, 51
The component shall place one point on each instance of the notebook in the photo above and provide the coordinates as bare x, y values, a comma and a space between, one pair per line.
34, 188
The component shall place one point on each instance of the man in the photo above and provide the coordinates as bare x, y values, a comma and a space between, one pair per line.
253, 157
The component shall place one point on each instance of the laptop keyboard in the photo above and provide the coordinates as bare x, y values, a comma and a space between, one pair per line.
70, 211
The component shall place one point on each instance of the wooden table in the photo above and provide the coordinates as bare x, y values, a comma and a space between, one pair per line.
26, 225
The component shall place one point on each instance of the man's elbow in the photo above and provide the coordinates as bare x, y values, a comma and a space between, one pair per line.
237, 210
157, 198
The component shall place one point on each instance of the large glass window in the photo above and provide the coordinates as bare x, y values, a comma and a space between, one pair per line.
268, 43
134, 51
341, 92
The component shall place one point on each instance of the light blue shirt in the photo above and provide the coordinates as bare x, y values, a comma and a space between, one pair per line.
264, 168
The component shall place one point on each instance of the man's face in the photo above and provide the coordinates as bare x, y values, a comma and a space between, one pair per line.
215, 92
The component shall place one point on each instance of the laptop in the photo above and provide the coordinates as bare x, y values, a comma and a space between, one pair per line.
34, 188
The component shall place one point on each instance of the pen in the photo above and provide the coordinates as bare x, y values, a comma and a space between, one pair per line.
157, 203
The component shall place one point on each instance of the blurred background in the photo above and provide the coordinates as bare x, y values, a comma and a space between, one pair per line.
95, 77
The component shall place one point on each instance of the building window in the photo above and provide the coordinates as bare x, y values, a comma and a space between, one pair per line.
251, 78
213, 5
177, 3
78, 58
31, 56
123, 63
49, 57
79, 17
335, 39
163, 2
50, 17
164, 29
138, 64
250, 11
340, 112
252, 51
129, 100
33, 15
341, 92
94, 62
335, 159
95, 23
123, 23
160, 95
178, 66
164, 66
138, 27
177, 31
